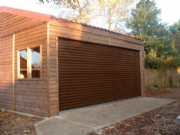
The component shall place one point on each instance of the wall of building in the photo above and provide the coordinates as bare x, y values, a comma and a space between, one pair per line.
75, 31
23, 95
41, 96
32, 94
6, 86
6, 99
0, 63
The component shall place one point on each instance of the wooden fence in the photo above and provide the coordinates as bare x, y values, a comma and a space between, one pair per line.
159, 78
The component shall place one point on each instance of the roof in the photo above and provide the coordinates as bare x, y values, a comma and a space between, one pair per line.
25, 13
47, 18
131, 36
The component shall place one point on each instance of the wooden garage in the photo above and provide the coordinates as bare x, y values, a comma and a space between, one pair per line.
48, 64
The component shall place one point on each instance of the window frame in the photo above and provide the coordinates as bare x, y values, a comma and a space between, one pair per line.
29, 68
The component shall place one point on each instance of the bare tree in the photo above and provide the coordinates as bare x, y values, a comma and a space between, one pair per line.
111, 13
81, 10
115, 13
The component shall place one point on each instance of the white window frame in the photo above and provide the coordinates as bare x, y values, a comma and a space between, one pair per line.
29, 68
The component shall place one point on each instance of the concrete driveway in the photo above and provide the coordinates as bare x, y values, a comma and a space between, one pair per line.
85, 120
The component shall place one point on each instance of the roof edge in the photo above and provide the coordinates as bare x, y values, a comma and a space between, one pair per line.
25, 13
113, 32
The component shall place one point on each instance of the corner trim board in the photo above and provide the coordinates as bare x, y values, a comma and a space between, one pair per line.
13, 75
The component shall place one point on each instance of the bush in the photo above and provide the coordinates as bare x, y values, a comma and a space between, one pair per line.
171, 81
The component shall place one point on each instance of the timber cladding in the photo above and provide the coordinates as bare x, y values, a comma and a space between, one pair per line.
29, 96
80, 65
6, 99
32, 95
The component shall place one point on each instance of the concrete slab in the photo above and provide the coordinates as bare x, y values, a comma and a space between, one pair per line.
56, 126
82, 121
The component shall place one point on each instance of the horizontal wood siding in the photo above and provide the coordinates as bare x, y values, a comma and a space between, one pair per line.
97, 36
13, 23
6, 86
0, 58
30, 96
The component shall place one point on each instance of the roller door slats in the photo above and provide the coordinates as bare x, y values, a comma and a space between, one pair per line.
90, 74
82, 103
90, 95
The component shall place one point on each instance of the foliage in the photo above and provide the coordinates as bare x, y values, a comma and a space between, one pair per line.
170, 79
145, 23
76, 10
175, 29
175, 34
111, 13
114, 13
144, 20
81, 10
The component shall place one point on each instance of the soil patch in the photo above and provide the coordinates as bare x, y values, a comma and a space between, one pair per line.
160, 121
16, 124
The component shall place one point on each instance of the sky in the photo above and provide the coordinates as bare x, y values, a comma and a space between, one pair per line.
170, 10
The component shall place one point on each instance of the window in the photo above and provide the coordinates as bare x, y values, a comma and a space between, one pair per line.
35, 62
23, 64
29, 63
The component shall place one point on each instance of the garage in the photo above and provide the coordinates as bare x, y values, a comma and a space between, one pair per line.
91, 74
50, 64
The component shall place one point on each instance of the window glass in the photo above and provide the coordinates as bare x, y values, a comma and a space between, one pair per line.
35, 62
23, 63
29, 63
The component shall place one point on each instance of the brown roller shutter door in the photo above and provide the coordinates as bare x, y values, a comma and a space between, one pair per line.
90, 74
